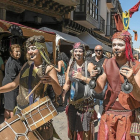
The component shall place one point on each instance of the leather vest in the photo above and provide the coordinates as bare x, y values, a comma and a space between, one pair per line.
23, 84
115, 80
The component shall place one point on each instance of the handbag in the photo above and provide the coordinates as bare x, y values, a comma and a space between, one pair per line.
135, 127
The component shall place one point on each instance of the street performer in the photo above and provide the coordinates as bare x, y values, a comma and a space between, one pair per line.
119, 105
31, 73
79, 110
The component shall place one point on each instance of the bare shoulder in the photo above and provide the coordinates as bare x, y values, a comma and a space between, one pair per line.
91, 66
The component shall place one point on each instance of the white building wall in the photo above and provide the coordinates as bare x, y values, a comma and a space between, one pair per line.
103, 9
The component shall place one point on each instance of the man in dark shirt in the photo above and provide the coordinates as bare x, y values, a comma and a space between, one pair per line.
99, 58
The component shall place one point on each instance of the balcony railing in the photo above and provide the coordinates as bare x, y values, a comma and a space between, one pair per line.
68, 2
101, 24
109, 30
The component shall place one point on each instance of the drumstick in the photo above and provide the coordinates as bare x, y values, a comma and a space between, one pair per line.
37, 85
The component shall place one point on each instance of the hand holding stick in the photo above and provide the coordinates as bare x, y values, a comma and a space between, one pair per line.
33, 90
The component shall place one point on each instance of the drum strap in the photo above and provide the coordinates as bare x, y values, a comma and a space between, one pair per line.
29, 84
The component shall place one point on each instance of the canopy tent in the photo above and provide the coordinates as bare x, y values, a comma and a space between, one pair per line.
63, 36
21, 30
92, 41
64, 42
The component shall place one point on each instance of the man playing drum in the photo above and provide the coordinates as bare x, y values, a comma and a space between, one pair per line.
123, 92
30, 75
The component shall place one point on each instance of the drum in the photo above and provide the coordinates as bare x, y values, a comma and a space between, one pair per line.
15, 129
135, 129
39, 113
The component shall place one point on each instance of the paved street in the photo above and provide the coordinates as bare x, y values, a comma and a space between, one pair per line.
60, 124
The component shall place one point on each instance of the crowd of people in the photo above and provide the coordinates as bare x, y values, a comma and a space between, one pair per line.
91, 78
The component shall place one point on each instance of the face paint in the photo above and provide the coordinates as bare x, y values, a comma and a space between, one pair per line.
118, 46
126, 37
78, 54
33, 52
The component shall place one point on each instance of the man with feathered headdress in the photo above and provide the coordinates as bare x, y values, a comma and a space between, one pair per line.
122, 96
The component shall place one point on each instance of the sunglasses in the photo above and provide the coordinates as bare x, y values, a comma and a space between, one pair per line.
98, 50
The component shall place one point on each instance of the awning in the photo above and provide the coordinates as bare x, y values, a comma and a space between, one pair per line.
92, 41
63, 36
21, 30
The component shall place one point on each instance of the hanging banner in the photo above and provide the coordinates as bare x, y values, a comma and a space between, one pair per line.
126, 18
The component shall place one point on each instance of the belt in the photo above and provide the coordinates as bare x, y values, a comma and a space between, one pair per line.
120, 112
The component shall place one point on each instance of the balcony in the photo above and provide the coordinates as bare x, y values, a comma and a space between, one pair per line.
68, 2
111, 3
85, 20
110, 30
101, 28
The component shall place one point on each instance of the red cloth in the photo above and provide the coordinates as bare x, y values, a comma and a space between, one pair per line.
135, 35
118, 22
125, 36
134, 9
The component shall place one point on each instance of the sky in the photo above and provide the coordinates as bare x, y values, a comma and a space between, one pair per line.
134, 23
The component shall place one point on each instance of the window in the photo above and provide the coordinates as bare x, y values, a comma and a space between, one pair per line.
93, 14
87, 7
92, 8
81, 6
113, 22
96, 13
77, 8
97, 2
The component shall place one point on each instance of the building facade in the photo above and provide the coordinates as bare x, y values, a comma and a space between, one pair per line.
69, 16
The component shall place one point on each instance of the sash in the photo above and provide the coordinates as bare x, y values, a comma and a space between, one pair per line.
29, 84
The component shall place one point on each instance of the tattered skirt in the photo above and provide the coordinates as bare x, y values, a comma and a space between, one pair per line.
116, 126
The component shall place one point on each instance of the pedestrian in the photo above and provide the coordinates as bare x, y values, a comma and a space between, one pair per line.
88, 54
35, 68
12, 69
119, 103
1, 76
63, 61
98, 60
79, 110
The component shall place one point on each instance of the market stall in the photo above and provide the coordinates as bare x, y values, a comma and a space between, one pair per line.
10, 29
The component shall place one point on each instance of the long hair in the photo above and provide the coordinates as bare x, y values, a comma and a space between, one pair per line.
31, 41
63, 56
